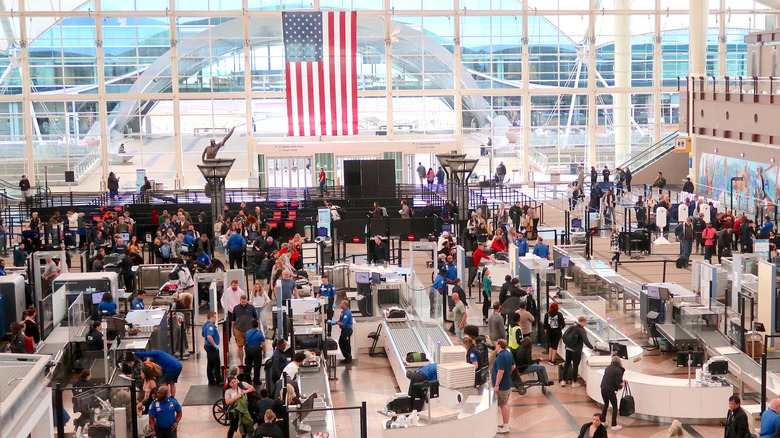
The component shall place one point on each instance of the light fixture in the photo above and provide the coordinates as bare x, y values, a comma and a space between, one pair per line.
716, 150
742, 155
773, 160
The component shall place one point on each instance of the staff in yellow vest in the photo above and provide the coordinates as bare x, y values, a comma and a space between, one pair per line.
515, 332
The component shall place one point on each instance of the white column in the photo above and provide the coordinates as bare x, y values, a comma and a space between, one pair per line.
622, 100
526, 115
698, 36
658, 124
177, 143
105, 159
24, 69
250, 142
699, 10
593, 118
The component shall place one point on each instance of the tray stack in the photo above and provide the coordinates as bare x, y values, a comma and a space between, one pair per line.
456, 375
450, 354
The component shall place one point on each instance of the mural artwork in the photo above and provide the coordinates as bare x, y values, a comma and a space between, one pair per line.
760, 179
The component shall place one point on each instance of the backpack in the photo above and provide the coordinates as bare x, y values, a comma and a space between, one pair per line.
29, 344
661, 182
416, 357
482, 352
165, 250
411, 211
570, 338
156, 368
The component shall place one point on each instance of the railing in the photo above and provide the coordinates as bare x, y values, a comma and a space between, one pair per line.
734, 88
651, 154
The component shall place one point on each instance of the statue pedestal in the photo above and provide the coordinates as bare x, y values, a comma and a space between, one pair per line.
215, 171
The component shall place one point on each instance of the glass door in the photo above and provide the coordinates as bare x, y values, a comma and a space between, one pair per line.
289, 172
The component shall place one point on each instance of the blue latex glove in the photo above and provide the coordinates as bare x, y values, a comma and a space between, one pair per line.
332, 322
334, 306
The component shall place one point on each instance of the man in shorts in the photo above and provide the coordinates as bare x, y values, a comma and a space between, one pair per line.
502, 381
243, 315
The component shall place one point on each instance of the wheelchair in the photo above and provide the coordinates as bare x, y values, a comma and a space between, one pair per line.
521, 386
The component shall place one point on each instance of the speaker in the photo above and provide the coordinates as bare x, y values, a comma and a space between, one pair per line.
70, 176
352, 182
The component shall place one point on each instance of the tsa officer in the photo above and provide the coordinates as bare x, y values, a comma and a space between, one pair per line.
211, 338
328, 291
138, 301
164, 414
345, 323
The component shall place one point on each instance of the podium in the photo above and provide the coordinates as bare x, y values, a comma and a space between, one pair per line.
215, 171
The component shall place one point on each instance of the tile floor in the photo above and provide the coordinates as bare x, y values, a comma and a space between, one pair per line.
557, 414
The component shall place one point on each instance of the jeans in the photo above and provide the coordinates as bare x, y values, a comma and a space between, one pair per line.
212, 365
609, 215
432, 303
609, 396
571, 366
486, 305
685, 249
709, 251
261, 315
541, 372
459, 332
254, 359
236, 258
322, 187
344, 344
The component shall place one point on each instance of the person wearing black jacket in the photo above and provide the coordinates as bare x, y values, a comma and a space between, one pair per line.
505, 289
736, 420
381, 253
688, 185
594, 429
525, 364
515, 214
574, 352
747, 231
269, 429
610, 385
428, 210
113, 185
594, 175
627, 175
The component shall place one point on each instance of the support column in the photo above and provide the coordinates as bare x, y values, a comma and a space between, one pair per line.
593, 115
27, 111
697, 17
250, 141
105, 138
526, 115
658, 116
177, 143
722, 40
622, 100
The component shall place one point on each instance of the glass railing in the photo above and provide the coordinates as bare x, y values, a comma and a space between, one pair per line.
25, 379
651, 154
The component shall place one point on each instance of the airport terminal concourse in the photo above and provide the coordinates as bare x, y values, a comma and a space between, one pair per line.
389, 218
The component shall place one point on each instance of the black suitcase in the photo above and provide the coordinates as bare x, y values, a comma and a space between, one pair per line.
681, 262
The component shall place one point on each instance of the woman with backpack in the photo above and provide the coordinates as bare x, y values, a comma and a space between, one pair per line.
553, 328
18, 344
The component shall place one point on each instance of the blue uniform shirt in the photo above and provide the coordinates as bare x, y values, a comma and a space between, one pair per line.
541, 250
429, 371
254, 336
204, 259
438, 283
165, 360
770, 421
164, 412
210, 329
522, 246
328, 290
107, 306
138, 304
2, 271
236, 241
452, 271
346, 318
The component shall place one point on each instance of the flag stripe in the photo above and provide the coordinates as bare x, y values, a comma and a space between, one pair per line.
353, 87
321, 72
343, 77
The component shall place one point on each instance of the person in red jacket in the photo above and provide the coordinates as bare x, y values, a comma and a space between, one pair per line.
498, 244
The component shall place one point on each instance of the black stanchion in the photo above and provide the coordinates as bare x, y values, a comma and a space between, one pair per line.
58, 409
133, 411
363, 421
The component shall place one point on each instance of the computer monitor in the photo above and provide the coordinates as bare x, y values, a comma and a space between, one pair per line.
376, 278
718, 367
653, 292
97, 297
322, 232
561, 262
697, 358
307, 403
125, 237
362, 277
576, 223
620, 350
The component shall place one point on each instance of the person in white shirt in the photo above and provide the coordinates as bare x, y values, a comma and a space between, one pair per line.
292, 369
261, 301
230, 299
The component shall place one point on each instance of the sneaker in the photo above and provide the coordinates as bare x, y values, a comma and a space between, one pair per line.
563, 383
616, 427
575, 385
503, 429
552, 364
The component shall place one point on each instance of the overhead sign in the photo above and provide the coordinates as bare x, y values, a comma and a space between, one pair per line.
682, 144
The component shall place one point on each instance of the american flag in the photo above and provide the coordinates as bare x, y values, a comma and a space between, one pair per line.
320, 69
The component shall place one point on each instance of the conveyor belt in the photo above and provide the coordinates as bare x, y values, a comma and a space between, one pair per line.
436, 332
404, 338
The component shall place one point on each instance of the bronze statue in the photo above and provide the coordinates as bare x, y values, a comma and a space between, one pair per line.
211, 150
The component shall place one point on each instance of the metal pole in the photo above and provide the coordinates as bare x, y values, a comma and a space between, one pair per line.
664, 276
364, 421
58, 409
134, 412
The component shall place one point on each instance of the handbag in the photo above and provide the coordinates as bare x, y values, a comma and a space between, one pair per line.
627, 405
